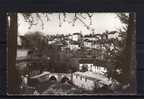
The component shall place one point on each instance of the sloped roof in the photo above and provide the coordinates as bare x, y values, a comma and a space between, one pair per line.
77, 34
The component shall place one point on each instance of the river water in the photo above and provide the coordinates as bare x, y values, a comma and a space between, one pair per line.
59, 88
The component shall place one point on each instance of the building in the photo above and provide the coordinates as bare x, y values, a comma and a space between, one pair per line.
74, 47
89, 80
91, 41
21, 53
93, 67
90, 37
114, 34
21, 57
50, 42
76, 36
88, 65
87, 43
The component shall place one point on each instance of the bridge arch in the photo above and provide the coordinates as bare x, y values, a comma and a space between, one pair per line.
60, 77
53, 78
64, 79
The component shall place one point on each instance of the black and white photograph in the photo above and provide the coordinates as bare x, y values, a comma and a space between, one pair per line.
71, 54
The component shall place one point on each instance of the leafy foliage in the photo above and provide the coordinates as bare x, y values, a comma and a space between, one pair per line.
123, 60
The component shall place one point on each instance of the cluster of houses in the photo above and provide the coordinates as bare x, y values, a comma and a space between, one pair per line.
93, 44
88, 41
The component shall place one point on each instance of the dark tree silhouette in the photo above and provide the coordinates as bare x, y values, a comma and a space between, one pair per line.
13, 77
125, 60
84, 68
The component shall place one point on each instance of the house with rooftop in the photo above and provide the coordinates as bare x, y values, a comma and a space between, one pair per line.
76, 36
89, 80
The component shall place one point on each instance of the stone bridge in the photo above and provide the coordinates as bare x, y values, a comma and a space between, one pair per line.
53, 76
60, 76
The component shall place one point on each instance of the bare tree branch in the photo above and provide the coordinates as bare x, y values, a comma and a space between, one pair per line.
42, 24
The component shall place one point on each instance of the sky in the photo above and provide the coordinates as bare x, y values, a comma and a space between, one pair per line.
100, 23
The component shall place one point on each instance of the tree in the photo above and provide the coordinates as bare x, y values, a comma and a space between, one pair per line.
84, 18
125, 60
34, 41
13, 77
84, 68
130, 52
